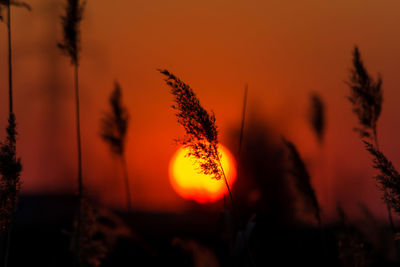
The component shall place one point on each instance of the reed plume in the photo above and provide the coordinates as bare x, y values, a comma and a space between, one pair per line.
10, 170
201, 136
114, 126
388, 178
71, 46
5, 3
366, 97
303, 180
317, 116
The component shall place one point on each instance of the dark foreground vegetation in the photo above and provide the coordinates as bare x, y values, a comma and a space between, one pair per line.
194, 238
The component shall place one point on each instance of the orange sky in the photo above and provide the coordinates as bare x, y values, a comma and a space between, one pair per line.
282, 49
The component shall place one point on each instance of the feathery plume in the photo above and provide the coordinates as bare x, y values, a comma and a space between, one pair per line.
10, 169
201, 136
388, 178
302, 179
114, 124
71, 26
201, 131
71, 47
366, 97
4, 3
317, 116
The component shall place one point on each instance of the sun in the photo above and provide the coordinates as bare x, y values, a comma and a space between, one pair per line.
192, 185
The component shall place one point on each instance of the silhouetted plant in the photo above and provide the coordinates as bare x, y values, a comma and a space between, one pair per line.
317, 116
366, 97
10, 169
388, 178
71, 46
7, 4
201, 130
92, 247
243, 119
114, 126
10, 166
303, 180
241, 133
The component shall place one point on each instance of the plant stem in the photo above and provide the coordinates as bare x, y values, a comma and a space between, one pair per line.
231, 197
78, 134
10, 85
241, 135
376, 138
389, 210
226, 180
127, 185
243, 120
80, 182
8, 242
10, 96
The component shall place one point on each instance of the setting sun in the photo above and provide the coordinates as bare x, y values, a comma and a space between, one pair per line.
190, 184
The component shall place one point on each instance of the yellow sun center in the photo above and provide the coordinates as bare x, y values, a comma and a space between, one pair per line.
190, 183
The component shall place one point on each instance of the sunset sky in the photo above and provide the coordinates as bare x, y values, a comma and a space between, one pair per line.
283, 50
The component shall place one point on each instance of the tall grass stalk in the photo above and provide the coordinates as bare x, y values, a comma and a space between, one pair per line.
201, 136
243, 120
71, 46
366, 96
201, 133
304, 187
241, 137
10, 165
114, 126
241, 134
303, 180
10, 85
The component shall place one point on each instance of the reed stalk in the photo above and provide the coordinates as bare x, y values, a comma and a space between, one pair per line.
71, 46
366, 96
113, 130
10, 165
